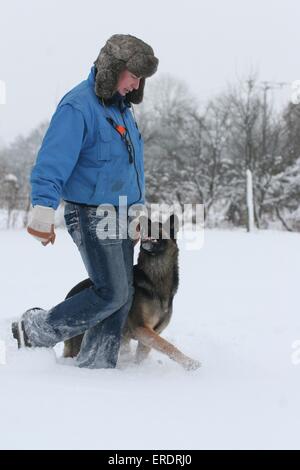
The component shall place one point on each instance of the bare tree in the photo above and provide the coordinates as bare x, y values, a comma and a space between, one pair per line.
11, 187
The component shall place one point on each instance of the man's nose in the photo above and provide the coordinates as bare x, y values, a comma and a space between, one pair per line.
136, 84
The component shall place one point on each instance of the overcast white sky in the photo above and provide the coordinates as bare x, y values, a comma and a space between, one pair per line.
48, 46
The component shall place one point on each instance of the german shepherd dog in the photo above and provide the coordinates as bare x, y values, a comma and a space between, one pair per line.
156, 282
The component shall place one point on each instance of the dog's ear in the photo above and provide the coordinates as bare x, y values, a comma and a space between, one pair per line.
144, 226
148, 228
172, 226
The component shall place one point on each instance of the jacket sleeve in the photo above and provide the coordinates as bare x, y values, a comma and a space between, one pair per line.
57, 156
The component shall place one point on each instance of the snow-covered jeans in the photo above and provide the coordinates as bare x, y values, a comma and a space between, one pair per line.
101, 310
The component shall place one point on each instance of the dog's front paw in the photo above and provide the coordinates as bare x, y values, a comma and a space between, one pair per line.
191, 364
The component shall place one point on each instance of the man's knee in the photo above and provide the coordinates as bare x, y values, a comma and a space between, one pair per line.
115, 296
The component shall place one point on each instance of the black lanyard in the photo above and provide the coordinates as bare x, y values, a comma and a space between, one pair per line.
123, 132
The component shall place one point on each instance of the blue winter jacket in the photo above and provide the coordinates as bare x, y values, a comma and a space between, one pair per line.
83, 158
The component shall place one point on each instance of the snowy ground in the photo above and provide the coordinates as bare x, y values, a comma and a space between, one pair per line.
237, 310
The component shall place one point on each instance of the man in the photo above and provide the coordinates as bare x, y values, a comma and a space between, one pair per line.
91, 154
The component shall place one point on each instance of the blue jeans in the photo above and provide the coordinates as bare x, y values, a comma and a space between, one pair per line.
100, 311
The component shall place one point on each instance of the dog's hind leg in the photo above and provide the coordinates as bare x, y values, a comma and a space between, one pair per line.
142, 352
72, 346
150, 339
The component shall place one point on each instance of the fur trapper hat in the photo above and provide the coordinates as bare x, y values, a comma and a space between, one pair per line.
121, 52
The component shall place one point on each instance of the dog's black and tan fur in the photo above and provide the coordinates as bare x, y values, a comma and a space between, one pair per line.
156, 282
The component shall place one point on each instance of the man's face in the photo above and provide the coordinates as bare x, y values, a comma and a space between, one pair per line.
127, 82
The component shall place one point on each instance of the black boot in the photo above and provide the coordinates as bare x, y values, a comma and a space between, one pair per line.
19, 332
20, 335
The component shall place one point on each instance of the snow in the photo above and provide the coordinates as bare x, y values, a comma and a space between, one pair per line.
236, 311
11, 178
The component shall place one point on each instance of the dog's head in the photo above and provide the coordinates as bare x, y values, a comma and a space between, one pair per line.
157, 236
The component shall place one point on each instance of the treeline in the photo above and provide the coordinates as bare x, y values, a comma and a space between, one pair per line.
199, 154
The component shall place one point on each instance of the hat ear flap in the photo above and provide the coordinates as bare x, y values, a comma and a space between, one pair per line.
108, 72
136, 96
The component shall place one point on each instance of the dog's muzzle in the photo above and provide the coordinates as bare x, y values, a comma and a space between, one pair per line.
149, 245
